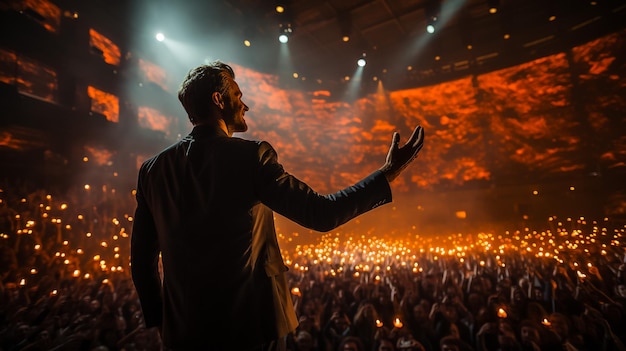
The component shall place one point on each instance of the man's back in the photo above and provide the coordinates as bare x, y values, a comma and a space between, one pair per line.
205, 205
200, 194
203, 195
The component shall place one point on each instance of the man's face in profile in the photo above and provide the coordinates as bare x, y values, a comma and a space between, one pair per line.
234, 109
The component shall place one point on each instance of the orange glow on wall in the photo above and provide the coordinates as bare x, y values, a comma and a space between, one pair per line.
100, 156
140, 160
153, 119
154, 73
104, 103
7, 140
110, 51
8, 61
37, 80
30, 77
49, 13
22, 138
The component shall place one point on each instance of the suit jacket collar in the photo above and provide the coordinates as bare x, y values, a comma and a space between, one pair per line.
207, 130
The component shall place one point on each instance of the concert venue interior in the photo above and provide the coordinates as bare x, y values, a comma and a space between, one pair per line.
524, 111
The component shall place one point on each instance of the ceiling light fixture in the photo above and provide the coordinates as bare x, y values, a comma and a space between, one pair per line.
432, 11
361, 62
493, 6
285, 31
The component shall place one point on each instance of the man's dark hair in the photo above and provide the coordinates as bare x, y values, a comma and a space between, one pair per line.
200, 83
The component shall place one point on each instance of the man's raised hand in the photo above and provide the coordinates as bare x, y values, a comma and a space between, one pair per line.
400, 157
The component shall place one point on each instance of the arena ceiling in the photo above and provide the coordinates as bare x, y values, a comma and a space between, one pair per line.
392, 34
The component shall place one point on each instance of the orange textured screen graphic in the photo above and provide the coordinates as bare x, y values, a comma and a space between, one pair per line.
100, 156
104, 103
111, 52
153, 119
154, 73
47, 13
29, 76
527, 123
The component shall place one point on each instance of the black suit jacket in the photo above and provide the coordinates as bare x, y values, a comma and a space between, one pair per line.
205, 205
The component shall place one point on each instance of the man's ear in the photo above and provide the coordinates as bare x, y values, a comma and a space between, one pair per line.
216, 97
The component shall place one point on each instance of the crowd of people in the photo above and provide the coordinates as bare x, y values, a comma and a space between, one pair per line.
64, 267
65, 284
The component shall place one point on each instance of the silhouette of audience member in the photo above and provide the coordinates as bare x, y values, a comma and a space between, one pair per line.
351, 343
530, 337
337, 328
364, 324
408, 343
384, 344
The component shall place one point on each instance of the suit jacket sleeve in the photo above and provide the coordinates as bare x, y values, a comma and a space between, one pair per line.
294, 199
144, 259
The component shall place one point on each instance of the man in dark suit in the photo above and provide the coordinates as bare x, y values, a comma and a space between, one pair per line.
205, 205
